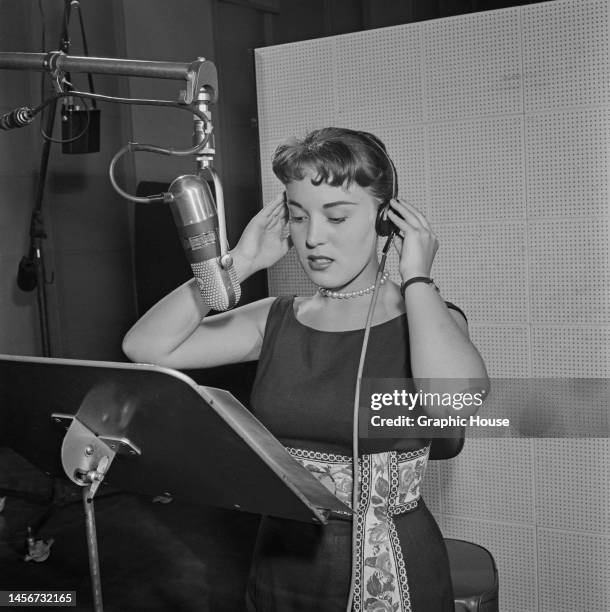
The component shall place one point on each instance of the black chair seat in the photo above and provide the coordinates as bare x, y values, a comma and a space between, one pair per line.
474, 576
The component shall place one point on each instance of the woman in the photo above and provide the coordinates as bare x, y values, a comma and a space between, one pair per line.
308, 350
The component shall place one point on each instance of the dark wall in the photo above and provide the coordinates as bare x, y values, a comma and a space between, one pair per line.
18, 150
306, 19
87, 251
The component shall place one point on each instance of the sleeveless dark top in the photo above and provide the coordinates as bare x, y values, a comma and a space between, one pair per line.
305, 381
303, 393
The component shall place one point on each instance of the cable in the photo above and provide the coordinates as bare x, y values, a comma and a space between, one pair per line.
137, 101
132, 147
85, 46
143, 101
129, 147
146, 102
355, 420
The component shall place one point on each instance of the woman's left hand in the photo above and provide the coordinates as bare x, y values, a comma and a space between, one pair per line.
419, 243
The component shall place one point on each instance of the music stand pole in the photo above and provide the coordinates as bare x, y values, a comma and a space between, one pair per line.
94, 561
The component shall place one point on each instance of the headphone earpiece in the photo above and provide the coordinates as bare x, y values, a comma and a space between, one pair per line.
384, 226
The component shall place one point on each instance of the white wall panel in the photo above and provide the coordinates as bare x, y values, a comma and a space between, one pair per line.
471, 65
570, 271
271, 187
406, 146
491, 479
476, 170
378, 77
580, 581
562, 351
482, 268
575, 408
504, 348
567, 163
566, 54
295, 88
567, 470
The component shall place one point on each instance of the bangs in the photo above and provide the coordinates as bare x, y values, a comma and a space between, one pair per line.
336, 161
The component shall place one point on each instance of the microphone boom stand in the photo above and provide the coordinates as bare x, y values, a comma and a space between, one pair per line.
198, 74
37, 232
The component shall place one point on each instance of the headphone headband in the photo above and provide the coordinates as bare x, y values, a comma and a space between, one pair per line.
370, 138
383, 224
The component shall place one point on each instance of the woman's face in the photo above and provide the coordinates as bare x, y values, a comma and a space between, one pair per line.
333, 232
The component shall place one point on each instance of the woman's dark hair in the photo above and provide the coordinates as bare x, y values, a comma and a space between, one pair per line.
337, 156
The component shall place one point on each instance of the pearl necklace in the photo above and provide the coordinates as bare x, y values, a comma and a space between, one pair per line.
349, 294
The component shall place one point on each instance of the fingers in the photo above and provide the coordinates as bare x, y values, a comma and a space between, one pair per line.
277, 212
276, 220
402, 222
273, 210
275, 202
409, 213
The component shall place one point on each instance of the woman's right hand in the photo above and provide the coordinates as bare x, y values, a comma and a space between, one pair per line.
173, 333
266, 238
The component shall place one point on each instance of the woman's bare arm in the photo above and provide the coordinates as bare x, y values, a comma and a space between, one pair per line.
176, 333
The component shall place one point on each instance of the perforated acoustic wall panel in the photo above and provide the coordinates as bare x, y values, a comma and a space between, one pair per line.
563, 254
589, 580
476, 170
471, 65
566, 54
571, 351
367, 90
499, 125
567, 162
304, 100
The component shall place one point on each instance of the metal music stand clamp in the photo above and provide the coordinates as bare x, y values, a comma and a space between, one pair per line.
153, 431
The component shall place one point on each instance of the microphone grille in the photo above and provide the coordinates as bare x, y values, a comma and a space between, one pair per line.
219, 288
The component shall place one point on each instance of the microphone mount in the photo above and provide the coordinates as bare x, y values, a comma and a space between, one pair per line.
200, 90
200, 73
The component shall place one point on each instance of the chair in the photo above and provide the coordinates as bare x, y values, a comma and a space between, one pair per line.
473, 569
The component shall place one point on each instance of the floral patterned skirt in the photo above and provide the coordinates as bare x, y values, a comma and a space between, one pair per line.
402, 563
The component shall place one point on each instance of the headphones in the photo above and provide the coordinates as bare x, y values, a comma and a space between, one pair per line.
384, 226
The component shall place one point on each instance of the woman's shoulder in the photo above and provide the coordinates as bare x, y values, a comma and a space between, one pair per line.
258, 313
253, 313
282, 303
273, 308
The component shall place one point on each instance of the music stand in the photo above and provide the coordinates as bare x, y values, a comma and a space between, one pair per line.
150, 430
